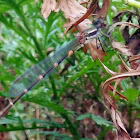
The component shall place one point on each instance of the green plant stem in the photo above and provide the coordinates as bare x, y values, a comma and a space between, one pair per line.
72, 127
133, 3
56, 98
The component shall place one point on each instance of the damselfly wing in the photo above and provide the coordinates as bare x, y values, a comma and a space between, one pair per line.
35, 74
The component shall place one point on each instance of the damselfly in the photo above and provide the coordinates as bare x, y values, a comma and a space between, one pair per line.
32, 76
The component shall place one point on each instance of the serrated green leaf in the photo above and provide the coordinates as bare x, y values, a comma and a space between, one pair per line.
99, 120
131, 94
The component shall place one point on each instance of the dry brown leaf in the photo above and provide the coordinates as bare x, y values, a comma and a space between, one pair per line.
73, 11
122, 27
116, 119
115, 86
104, 10
95, 53
113, 74
121, 48
70, 8
108, 70
133, 42
134, 58
47, 7
83, 1
122, 132
92, 8
121, 13
123, 75
125, 66
119, 94
121, 23
135, 62
122, 69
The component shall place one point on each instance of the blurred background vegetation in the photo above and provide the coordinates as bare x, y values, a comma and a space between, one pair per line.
69, 105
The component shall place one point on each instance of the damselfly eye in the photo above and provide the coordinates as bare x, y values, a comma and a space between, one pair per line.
99, 23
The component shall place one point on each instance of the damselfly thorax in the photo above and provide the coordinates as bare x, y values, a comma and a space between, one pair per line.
101, 37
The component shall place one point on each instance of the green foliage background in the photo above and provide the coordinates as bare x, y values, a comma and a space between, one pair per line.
25, 39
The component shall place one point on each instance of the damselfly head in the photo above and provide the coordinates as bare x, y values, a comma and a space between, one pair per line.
99, 23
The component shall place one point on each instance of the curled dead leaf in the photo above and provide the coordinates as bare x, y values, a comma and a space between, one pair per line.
110, 101
70, 8
122, 132
119, 94
104, 10
47, 7
135, 62
83, 1
121, 48
133, 42
107, 69
92, 8
124, 66
120, 24
134, 58
123, 75
116, 18
73, 11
